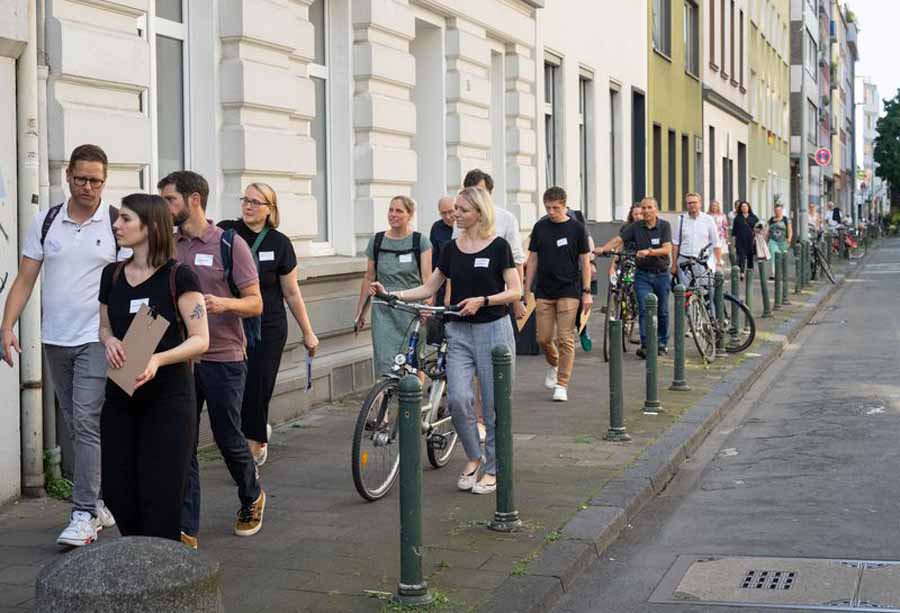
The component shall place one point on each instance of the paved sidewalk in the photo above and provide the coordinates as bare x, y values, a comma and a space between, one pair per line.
322, 548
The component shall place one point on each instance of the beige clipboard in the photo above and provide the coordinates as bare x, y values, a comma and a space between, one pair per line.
529, 309
585, 316
141, 339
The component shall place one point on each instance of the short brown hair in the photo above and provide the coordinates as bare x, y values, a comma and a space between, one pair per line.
155, 216
187, 182
555, 194
693, 195
88, 153
273, 218
476, 176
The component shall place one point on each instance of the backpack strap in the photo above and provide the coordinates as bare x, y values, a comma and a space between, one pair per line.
417, 251
226, 249
52, 212
376, 249
259, 240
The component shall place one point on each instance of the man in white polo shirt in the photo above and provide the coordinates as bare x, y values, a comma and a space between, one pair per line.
71, 243
692, 232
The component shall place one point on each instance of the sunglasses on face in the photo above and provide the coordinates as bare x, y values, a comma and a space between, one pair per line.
82, 181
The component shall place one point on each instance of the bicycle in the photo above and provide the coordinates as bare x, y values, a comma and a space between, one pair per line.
705, 328
817, 259
621, 301
857, 242
375, 455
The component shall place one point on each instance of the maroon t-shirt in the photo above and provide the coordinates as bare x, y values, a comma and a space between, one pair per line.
204, 256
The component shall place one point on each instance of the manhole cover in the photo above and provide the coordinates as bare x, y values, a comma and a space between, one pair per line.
815, 584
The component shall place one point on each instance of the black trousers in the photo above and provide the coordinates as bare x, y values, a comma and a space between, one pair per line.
744, 258
146, 444
263, 362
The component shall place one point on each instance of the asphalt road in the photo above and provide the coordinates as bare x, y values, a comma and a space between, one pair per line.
808, 465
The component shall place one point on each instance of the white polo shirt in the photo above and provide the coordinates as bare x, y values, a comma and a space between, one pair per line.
73, 257
507, 227
692, 234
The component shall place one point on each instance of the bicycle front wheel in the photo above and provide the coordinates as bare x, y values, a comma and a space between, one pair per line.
739, 337
629, 318
702, 328
442, 439
375, 457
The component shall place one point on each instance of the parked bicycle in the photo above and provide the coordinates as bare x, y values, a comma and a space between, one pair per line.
735, 333
621, 301
817, 258
375, 457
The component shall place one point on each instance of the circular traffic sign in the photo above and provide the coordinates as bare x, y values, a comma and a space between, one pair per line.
823, 157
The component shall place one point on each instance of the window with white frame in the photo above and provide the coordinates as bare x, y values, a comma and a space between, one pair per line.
552, 118
318, 74
691, 38
169, 39
662, 26
585, 129
812, 121
812, 52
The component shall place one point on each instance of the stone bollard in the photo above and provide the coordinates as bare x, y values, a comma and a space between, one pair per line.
776, 260
616, 432
764, 287
652, 404
138, 574
679, 383
506, 517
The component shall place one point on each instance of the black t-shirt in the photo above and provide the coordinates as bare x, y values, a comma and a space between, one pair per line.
649, 238
123, 301
477, 274
274, 257
628, 245
558, 247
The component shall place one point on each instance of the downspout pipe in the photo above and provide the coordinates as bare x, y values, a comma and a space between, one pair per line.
28, 138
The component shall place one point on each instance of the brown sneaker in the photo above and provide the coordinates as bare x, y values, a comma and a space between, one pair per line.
250, 518
191, 541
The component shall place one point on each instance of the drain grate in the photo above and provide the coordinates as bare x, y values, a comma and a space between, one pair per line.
768, 580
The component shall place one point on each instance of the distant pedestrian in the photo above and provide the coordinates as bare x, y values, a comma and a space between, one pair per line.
399, 258
485, 282
147, 439
71, 243
221, 373
780, 234
276, 263
694, 232
743, 232
634, 214
723, 226
813, 220
559, 269
653, 238
441, 234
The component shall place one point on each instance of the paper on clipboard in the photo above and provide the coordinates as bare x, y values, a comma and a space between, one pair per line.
585, 316
529, 309
141, 339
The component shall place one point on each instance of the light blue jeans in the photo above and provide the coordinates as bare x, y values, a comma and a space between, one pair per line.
468, 356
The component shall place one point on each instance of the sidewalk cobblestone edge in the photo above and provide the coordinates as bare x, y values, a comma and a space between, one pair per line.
594, 528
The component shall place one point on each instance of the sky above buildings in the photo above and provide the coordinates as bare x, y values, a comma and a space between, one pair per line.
878, 22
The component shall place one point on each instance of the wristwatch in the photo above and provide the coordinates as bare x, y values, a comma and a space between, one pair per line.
485, 300
585, 290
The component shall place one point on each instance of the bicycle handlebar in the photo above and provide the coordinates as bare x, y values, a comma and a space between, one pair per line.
415, 307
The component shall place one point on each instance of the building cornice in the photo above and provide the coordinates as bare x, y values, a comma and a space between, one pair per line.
716, 99
535, 4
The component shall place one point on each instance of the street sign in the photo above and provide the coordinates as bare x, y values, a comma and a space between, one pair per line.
823, 157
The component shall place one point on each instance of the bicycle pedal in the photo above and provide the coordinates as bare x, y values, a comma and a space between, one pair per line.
437, 442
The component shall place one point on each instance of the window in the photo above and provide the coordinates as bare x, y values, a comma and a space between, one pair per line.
551, 120
662, 26
811, 55
812, 121
712, 164
657, 164
733, 74
673, 172
741, 58
318, 73
613, 148
712, 36
685, 163
691, 38
170, 35
585, 129
722, 29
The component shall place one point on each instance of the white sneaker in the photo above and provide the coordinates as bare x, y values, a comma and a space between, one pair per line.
104, 517
480, 488
465, 482
560, 394
79, 532
550, 379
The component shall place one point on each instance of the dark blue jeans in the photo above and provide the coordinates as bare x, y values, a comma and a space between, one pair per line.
658, 283
221, 386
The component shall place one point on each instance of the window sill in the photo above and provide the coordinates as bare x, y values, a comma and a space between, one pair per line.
714, 67
692, 75
724, 75
734, 83
743, 90
662, 54
331, 266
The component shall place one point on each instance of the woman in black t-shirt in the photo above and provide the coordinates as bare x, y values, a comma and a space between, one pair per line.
484, 281
147, 439
277, 264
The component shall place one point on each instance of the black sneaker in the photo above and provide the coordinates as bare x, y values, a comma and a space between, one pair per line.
663, 350
641, 353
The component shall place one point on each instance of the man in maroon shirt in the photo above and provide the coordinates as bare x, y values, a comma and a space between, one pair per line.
221, 373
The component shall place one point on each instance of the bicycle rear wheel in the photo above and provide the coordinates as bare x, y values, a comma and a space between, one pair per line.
739, 338
442, 439
701, 327
823, 265
375, 457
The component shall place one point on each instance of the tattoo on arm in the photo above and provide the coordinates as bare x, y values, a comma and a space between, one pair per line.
197, 313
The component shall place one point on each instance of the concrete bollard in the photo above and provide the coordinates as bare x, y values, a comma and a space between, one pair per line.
138, 574
652, 404
679, 383
506, 517
616, 432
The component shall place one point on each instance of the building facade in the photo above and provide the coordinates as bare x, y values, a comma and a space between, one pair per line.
843, 61
770, 92
871, 196
806, 74
675, 120
594, 88
726, 112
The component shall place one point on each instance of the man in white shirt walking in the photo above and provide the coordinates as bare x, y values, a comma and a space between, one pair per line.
691, 233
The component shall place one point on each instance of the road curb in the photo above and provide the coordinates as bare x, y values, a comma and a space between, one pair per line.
593, 528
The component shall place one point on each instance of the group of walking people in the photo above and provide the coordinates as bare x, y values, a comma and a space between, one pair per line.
221, 292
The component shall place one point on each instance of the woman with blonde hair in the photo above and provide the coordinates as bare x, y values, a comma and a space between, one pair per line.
722, 225
484, 282
276, 262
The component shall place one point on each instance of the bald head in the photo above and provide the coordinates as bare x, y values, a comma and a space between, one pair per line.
446, 209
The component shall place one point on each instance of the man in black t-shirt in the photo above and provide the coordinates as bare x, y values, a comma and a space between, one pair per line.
652, 237
441, 234
559, 258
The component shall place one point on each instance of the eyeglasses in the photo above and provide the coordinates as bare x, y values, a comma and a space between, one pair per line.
82, 181
253, 204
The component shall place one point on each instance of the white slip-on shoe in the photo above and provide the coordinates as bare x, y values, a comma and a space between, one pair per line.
104, 517
550, 379
465, 482
480, 488
79, 532
560, 394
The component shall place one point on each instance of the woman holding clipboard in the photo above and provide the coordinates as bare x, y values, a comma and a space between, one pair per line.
146, 437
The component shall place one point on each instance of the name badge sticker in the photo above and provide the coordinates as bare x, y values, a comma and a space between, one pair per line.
482, 262
654, 241
203, 259
136, 304
562, 242
266, 256
405, 258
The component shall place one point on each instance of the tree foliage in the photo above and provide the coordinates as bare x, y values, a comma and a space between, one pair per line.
887, 143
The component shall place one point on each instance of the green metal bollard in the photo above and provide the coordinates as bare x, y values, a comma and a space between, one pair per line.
679, 383
764, 287
748, 288
506, 518
828, 243
412, 588
798, 269
776, 260
616, 432
736, 292
784, 277
651, 402
806, 268
719, 303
